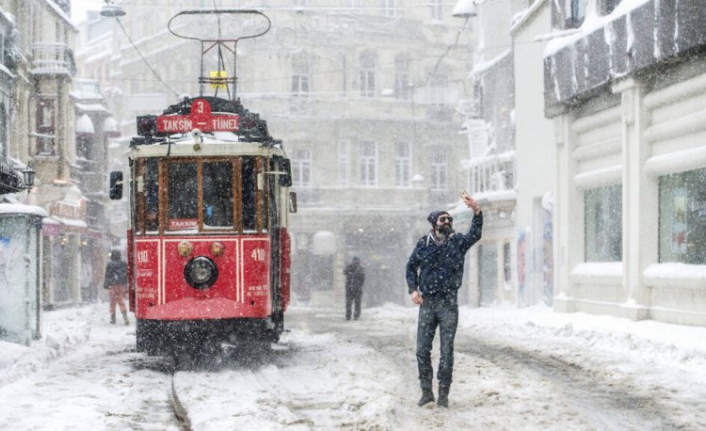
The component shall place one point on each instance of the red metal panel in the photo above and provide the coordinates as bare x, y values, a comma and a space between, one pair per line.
146, 273
242, 289
285, 267
256, 275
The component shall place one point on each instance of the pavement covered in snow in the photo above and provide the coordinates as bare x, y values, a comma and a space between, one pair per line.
515, 369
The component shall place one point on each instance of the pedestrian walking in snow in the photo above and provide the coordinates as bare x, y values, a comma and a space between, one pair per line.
116, 281
355, 278
434, 274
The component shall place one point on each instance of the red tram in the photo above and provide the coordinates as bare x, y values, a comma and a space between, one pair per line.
208, 246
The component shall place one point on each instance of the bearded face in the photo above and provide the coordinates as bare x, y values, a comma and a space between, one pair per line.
444, 224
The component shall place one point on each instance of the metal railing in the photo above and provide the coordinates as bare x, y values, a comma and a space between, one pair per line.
51, 58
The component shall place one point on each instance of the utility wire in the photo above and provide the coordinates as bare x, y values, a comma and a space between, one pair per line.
144, 59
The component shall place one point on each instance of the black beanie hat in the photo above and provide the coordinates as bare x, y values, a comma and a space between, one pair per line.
434, 216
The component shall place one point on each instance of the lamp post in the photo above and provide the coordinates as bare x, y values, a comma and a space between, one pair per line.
28, 176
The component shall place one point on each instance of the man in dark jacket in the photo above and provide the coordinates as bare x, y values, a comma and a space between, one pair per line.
434, 275
355, 278
116, 281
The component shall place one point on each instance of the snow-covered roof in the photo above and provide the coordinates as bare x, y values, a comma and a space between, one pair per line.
22, 209
592, 22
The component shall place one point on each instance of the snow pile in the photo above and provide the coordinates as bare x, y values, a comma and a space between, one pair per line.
63, 333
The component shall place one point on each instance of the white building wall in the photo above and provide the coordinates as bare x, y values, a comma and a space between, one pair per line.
650, 134
535, 158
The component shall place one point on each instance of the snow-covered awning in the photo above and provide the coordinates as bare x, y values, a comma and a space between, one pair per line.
84, 125
92, 107
110, 127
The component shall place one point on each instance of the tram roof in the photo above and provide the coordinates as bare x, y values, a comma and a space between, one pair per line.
208, 144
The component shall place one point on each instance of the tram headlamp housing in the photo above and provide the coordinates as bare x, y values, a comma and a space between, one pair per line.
217, 248
185, 248
201, 272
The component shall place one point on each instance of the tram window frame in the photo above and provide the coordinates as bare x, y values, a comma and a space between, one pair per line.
248, 173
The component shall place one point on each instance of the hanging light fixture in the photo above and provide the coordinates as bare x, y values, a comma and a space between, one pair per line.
465, 9
28, 176
111, 10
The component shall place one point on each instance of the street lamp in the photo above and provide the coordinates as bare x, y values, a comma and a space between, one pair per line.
465, 9
28, 176
111, 10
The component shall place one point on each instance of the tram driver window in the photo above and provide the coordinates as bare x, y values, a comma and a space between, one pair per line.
151, 195
218, 194
183, 196
249, 175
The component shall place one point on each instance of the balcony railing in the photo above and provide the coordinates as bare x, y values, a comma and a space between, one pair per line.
51, 58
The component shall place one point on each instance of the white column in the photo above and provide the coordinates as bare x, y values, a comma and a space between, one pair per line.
564, 255
640, 200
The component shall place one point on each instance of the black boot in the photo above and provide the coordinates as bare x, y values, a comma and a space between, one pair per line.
443, 396
112, 318
127, 321
427, 397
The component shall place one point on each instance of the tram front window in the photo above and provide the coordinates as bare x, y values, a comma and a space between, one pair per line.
183, 196
217, 195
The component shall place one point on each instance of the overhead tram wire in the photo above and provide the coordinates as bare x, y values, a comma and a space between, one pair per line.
144, 59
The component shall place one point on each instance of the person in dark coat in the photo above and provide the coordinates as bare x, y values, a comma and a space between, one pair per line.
116, 281
355, 278
434, 275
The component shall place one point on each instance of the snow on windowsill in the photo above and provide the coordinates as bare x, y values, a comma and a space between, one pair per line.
676, 275
597, 272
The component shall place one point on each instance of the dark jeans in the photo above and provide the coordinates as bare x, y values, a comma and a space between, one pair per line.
444, 314
353, 297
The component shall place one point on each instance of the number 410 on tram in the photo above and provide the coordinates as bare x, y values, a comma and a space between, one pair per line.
208, 246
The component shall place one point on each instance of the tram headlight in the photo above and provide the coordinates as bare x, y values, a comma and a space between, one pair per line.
185, 248
201, 272
217, 248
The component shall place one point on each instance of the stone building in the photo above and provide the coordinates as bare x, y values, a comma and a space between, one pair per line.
38, 124
364, 97
625, 88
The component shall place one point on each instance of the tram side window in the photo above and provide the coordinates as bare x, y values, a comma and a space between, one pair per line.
151, 195
218, 194
183, 196
249, 176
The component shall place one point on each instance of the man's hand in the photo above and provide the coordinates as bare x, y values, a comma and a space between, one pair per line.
472, 204
416, 297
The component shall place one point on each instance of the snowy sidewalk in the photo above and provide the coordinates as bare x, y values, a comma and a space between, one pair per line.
64, 330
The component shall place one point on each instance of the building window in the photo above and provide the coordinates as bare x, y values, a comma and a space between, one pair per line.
574, 13
403, 164
439, 171
45, 127
367, 74
388, 7
300, 74
301, 168
368, 163
402, 77
682, 217
437, 10
610, 6
603, 217
3, 132
299, 3
300, 85
343, 163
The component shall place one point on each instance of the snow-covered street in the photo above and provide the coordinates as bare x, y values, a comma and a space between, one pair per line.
515, 369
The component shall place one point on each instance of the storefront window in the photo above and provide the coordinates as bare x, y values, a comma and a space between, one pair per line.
682, 217
603, 219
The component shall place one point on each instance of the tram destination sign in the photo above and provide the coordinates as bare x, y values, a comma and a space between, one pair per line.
200, 118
